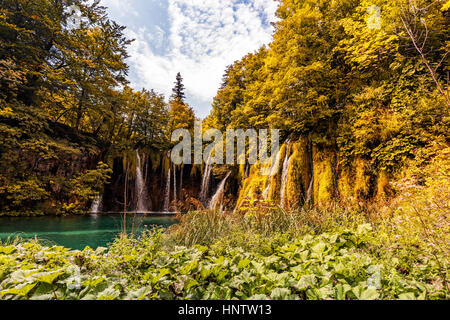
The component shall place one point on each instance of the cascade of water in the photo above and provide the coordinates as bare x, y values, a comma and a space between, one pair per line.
167, 193
141, 190
284, 176
204, 191
174, 183
97, 204
275, 167
218, 196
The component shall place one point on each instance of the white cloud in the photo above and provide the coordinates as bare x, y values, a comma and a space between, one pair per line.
122, 7
204, 37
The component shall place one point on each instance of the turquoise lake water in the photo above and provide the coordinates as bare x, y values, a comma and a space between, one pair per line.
77, 232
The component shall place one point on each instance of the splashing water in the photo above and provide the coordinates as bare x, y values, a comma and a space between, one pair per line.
274, 169
276, 164
218, 196
284, 176
96, 205
141, 190
204, 191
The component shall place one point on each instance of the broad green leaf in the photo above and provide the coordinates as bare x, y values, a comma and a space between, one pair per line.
259, 297
280, 294
190, 283
20, 291
243, 263
407, 296
319, 248
306, 282
49, 277
341, 291
109, 294
365, 293
189, 267
7, 250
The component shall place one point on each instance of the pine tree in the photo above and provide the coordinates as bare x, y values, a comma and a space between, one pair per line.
178, 90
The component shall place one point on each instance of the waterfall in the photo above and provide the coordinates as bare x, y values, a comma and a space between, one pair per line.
206, 181
97, 204
174, 184
141, 190
275, 166
167, 193
284, 176
218, 196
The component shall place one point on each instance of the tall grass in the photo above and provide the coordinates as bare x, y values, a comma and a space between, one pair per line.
208, 227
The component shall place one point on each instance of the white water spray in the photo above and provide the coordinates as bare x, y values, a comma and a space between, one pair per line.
96, 205
141, 190
206, 181
284, 176
218, 196
274, 168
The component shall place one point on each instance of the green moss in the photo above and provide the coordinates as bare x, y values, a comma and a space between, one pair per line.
275, 180
302, 165
156, 160
298, 175
323, 177
383, 189
355, 181
346, 183
241, 174
252, 188
362, 180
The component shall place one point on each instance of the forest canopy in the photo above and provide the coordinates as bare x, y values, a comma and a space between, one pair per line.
353, 205
64, 98
367, 77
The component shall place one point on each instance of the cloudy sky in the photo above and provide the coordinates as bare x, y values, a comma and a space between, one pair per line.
198, 38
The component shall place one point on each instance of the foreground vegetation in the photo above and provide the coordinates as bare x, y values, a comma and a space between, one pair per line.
396, 250
261, 257
358, 90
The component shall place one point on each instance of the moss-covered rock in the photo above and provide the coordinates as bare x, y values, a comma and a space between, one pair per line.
323, 176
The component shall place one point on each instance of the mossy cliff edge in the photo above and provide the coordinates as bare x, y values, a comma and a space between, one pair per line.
315, 176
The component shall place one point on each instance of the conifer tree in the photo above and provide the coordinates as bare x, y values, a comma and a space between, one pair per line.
178, 89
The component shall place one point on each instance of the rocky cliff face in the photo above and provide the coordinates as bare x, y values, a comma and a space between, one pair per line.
299, 174
52, 171
178, 188
304, 174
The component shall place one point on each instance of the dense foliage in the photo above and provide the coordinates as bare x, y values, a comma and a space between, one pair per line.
360, 91
340, 265
365, 78
65, 105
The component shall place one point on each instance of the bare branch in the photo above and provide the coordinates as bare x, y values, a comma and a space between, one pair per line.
420, 48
